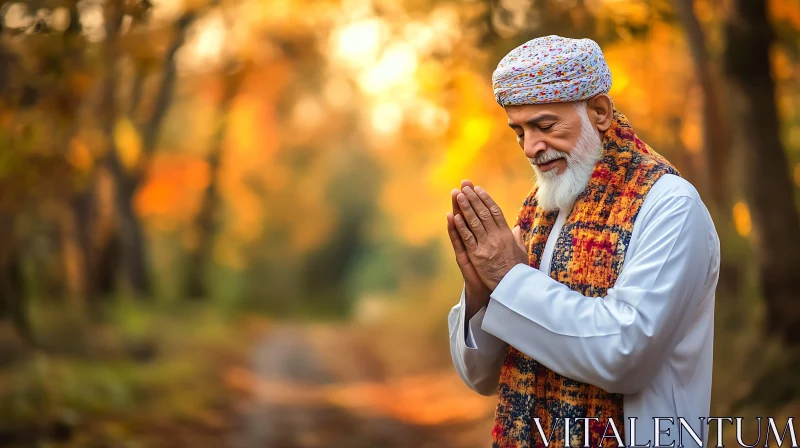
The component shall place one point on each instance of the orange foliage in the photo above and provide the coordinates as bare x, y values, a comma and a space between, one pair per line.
655, 75
741, 218
172, 192
79, 155
788, 10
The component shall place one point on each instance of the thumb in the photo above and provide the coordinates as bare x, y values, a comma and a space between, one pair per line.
518, 238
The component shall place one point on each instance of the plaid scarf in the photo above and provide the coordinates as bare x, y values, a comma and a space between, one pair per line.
587, 257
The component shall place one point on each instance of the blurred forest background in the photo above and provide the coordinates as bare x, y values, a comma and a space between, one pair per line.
222, 222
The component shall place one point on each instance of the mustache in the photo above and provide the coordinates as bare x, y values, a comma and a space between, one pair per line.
549, 155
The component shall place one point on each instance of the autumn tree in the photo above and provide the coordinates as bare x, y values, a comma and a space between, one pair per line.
769, 189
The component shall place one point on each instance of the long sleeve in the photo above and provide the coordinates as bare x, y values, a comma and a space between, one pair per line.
617, 342
478, 364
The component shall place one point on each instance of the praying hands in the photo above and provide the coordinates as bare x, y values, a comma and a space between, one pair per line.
485, 247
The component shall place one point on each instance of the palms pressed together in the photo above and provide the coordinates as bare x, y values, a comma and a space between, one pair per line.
485, 248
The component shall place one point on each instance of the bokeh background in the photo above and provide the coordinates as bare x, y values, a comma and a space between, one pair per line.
222, 222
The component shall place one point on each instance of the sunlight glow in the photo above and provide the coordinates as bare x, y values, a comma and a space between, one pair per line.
205, 44
358, 43
464, 149
432, 118
166, 10
396, 66
59, 19
17, 16
419, 35
386, 118
92, 21
444, 23
210, 38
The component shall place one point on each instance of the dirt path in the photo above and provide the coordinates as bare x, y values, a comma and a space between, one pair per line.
316, 386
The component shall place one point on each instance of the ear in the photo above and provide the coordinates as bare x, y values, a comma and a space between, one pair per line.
601, 111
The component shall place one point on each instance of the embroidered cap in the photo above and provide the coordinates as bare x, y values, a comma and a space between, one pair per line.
551, 69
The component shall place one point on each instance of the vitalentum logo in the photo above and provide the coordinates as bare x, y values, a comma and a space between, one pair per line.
665, 432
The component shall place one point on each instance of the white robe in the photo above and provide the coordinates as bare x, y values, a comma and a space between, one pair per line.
650, 338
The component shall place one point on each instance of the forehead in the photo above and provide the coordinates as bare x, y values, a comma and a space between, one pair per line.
522, 113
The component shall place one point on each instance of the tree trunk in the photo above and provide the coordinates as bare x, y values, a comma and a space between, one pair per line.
768, 186
716, 143
130, 232
166, 88
131, 235
82, 205
206, 223
12, 291
127, 183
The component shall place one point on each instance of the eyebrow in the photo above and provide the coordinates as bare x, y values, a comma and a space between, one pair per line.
536, 120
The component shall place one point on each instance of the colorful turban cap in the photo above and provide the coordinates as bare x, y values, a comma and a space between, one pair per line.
551, 69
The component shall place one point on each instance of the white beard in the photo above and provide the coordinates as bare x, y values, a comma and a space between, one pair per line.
557, 191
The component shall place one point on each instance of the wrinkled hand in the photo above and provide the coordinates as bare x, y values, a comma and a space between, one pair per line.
477, 294
492, 247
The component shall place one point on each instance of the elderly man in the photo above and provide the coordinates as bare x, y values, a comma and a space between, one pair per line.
592, 320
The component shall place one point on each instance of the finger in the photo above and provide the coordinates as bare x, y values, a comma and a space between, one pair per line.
467, 237
455, 237
454, 197
470, 217
454, 193
494, 209
480, 209
518, 238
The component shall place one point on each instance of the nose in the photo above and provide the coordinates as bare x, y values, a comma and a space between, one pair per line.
534, 148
